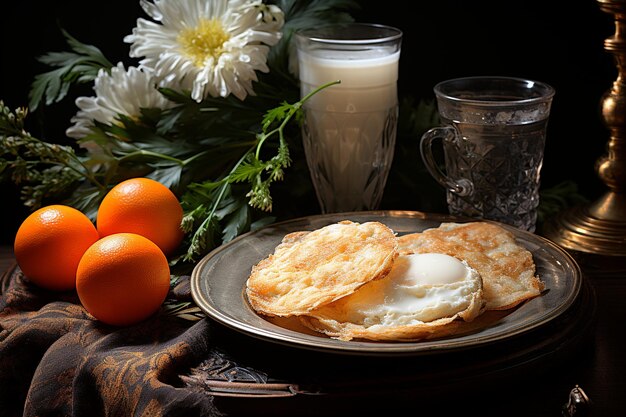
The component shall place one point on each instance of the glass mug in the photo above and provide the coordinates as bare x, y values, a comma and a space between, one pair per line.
493, 133
349, 129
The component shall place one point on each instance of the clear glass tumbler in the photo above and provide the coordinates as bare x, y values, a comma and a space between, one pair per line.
349, 129
493, 133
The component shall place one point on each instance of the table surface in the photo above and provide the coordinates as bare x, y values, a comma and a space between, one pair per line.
602, 372
599, 368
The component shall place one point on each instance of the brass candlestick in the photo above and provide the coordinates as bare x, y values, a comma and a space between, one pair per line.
600, 227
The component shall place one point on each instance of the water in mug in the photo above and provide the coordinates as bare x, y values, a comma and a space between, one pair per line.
349, 129
504, 163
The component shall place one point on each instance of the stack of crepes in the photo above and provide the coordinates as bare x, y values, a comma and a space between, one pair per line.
353, 280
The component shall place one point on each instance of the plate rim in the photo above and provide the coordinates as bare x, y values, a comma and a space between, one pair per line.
325, 344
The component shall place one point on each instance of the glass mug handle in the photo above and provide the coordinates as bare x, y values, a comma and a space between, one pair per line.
461, 186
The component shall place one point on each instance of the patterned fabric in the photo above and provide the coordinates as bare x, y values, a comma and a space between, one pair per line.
55, 360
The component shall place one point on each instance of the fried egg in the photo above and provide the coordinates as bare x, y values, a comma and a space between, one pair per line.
420, 298
506, 267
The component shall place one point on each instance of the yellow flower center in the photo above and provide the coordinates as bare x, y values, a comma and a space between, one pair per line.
203, 41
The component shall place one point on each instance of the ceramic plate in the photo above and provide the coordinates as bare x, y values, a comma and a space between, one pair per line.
218, 287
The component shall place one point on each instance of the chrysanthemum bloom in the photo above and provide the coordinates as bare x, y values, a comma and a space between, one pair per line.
123, 92
207, 47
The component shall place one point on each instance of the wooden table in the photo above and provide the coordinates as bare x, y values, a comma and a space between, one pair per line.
602, 371
598, 366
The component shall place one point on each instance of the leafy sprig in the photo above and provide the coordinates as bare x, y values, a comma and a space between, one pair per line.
79, 66
210, 202
44, 170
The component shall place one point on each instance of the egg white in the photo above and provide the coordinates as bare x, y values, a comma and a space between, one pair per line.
420, 288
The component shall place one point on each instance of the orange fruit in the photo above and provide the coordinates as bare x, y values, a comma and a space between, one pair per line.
122, 279
49, 244
145, 207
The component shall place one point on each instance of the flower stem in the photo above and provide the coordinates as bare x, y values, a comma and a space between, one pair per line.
143, 152
293, 109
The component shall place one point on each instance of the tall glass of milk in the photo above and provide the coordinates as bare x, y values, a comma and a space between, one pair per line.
349, 128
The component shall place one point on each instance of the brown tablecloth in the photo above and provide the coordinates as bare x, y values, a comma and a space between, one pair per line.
56, 360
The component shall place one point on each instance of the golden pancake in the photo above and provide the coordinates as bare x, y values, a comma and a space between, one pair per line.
310, 269
506, 267
422, 297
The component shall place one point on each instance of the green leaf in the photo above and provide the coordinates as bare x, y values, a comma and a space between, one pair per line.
79, 66
237, 222
87, 199
275, 115
168, 175
248, 170
262, 222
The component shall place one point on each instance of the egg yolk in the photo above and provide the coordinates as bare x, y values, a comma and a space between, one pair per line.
435, 268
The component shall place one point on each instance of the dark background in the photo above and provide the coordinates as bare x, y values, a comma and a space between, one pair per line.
560, 43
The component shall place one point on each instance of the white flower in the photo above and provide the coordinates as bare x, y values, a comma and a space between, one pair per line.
120, 92
209, 47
